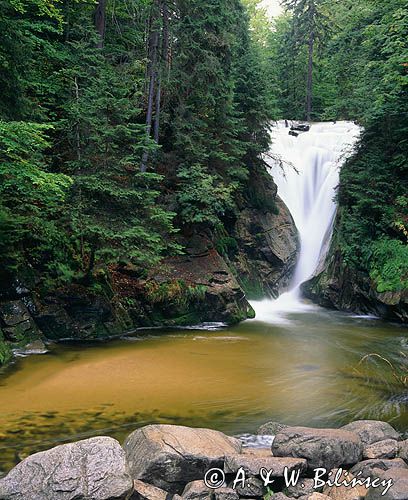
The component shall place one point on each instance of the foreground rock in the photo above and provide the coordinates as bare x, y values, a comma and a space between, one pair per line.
91, 469
197, 490
328, 448
344, 492
372, 431
369, 468
170, 456
398, 490
382, 449
253, 464
144, 491
271, 428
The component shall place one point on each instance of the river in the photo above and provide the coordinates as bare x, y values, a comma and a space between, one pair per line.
295, 363
304, 370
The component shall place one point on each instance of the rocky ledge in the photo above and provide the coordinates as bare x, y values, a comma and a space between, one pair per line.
254, 254
364, 459
337, 286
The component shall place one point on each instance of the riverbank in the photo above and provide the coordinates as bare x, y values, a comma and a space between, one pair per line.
363, 459
254, 255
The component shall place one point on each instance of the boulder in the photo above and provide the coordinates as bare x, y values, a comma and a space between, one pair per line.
301, 127
253, 464
254, 487
403, 450
170, 456
372, 431
304, 487
398, 490
344, 492
197, 490
328, 448
225, 494
91, 469
16, 322
270, 428
368, 467
280, 496
382, 449
144, 491
316, 496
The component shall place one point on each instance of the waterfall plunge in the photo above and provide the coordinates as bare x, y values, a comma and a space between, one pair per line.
307, 185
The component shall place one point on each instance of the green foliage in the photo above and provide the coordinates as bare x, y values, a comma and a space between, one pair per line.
389, 265
31, 198
226, 245
218, 113
5, 351
203, 198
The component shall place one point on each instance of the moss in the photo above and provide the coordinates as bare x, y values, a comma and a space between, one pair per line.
5, 351
253, 288
226, 246
251, 313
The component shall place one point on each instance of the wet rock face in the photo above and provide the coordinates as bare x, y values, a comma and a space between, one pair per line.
267, 249
94, 468
338, 287
16, 322
170, 456
327, 448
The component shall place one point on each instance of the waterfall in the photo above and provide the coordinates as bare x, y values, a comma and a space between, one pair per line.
307, 176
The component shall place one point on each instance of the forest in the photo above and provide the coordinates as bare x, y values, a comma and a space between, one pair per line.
127, 126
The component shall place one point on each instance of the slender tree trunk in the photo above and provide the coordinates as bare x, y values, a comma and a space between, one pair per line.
309, 89
79, 158
100, 21
151, 75
163, 65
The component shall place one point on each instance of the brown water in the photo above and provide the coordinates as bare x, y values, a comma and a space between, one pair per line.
304, 371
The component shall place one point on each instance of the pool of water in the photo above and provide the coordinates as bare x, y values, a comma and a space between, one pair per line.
303, 369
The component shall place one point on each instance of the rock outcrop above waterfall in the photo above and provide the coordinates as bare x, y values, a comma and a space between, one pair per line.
267, 241
338, 286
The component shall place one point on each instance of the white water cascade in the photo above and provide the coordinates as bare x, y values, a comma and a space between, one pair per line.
307, 181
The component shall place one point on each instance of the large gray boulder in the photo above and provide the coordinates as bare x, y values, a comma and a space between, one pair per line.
403, 450
144, 491
270, 428
170, 456
252, 464
304, 488
343, 492
197, 490
93, 469
398, 490
328, 448
382, 449
372, 431
369, 468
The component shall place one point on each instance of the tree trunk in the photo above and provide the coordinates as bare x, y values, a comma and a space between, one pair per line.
309, 89
100, 21
151, 75
163, 65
